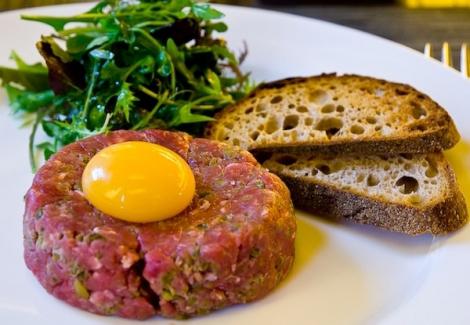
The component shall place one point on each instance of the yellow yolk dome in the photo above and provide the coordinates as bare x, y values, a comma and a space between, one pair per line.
138, 181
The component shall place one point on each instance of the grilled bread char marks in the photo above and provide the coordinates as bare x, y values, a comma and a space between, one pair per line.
412, 194
336, 114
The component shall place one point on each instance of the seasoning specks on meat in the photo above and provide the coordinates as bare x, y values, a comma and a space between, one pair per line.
216, 253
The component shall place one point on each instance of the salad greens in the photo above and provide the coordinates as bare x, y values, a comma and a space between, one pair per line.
126, 65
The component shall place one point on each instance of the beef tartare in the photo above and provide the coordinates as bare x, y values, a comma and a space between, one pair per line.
218, 252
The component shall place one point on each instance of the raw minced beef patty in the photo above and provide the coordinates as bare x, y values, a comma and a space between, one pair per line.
233, 244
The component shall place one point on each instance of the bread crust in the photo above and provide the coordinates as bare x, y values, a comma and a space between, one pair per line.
434, 133
443, 217
440, 134
434, 141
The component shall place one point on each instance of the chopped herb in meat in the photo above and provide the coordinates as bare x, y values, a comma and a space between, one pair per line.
201, 260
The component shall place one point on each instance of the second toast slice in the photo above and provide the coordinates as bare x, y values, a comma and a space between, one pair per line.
408, 193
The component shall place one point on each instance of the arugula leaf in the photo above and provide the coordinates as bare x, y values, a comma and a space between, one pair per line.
21, 64
66, 132
32, 158
48, 148
125, 100
214, 81
78, 44
63, 75
205, 11
185, 116
27, 101
32, 80
218, 27
56, 50
126, 65
31, 76
164, 64
98, 41
58, 23
96, 117
102, 54
99, 7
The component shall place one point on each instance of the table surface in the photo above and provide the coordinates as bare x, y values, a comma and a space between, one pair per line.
411, 27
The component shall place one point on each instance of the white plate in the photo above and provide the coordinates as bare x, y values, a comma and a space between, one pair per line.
343, 274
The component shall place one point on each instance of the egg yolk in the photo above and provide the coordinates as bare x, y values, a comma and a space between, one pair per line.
138, 182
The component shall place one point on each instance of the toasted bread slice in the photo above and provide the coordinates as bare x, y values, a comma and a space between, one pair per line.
408, 193
336, 114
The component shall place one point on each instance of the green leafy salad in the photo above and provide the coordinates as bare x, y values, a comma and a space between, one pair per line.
126, 65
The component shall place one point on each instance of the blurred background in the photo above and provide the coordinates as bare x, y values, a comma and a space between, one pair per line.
410, 22
12, 4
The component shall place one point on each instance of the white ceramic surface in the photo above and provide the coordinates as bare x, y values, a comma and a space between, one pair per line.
343, 274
